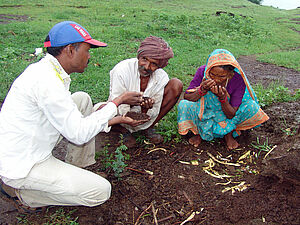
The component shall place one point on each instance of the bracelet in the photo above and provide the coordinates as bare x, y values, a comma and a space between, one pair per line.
200, 92
223, 100
114, 103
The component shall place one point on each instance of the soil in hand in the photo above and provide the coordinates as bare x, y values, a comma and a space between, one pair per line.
137, 115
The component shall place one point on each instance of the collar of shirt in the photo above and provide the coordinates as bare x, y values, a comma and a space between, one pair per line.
60, 72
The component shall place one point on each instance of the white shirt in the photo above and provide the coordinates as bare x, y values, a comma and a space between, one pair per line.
125, 76
37, 109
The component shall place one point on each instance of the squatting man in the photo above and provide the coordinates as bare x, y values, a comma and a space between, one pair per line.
39, 109
145, 74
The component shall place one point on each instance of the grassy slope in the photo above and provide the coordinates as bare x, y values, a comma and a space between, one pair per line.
190, 27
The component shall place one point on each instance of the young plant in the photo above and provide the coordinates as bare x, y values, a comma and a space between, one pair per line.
115, 160
261, 147
287, 130
168, 127
118, 165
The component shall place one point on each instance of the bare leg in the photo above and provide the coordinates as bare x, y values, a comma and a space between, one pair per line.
231, 142
195, 140
171, 95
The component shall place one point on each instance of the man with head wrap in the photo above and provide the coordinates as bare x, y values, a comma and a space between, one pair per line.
145, 74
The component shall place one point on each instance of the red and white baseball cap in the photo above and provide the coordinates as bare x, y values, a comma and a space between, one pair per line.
68, 32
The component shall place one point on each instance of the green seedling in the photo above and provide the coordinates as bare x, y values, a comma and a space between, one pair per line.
261, 147
286, 129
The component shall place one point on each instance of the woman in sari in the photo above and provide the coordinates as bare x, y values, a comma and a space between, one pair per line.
219, 102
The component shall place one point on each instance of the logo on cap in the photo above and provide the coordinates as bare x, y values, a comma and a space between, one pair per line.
81, 31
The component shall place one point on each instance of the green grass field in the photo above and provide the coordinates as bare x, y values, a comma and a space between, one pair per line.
190, 26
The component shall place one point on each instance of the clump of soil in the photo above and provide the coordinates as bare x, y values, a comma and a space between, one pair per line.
137, 116
145, 98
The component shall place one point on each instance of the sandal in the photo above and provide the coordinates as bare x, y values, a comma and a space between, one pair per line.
153, 137
128, 140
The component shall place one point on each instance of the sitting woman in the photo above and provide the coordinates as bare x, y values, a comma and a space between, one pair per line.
219, 102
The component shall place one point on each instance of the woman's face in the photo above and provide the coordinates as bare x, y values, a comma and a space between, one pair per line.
219, 75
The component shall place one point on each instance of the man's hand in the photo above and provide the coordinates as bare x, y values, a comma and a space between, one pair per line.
126, 120
132, 122
130, 98
147, 103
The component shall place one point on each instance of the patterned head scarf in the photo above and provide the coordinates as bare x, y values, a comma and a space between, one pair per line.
156, 48
221, 57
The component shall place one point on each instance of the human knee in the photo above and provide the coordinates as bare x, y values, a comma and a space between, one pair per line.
176, 86
83, 102
98, 194
173, 88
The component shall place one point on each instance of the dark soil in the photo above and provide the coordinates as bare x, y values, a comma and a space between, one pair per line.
169, 180
7, 18
137, 116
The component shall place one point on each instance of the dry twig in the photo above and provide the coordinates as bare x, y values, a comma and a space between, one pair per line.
139, 171
154, 213
225, 163
137, 220
187, 197
156, 149
270, 151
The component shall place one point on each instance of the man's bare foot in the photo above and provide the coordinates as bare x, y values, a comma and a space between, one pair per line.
231, 142
195, 140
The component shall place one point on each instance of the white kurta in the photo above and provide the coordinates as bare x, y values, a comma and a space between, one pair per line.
126, 77
37, 110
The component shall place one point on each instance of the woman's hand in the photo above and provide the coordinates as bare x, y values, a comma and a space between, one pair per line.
196, 93
206, 85
219, 91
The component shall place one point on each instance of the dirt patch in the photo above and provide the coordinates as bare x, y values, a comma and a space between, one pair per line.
7, 18
172, 182
265, 73
11, 6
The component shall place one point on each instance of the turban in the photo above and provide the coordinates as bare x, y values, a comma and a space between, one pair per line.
156, 48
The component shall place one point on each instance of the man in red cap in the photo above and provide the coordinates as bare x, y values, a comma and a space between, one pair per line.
39, 109
145, 74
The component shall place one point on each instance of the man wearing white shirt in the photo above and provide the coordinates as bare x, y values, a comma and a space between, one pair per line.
39, 109
145, 73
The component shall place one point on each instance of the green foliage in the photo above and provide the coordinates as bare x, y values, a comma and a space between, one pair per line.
289, 131
115, 160
59, 217
193, 30
118, 165
289, 59
168, 127
275, 93
261, 147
